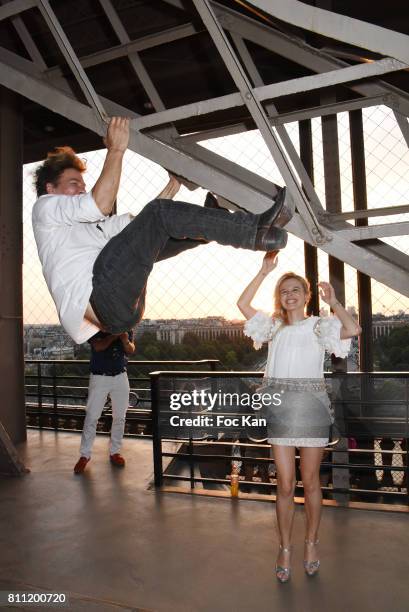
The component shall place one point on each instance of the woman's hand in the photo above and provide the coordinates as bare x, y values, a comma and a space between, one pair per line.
269, 262
327, 294
350, 327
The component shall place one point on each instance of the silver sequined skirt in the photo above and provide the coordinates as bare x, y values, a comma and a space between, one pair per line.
299, 413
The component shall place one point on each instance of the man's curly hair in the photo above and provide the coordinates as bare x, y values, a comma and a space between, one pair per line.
57, 161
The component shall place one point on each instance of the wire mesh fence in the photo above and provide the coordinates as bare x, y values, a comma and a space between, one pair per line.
200, 287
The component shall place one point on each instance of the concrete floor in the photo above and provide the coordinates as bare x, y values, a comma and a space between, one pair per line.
111, 544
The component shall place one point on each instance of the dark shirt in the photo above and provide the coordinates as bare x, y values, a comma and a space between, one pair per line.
112, 360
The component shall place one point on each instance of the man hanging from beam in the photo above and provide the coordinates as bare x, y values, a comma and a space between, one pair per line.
96, 266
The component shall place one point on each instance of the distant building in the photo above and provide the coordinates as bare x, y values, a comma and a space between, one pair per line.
383, 327
47, 342
209, 328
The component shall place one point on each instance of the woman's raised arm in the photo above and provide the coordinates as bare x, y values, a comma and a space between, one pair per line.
244, 301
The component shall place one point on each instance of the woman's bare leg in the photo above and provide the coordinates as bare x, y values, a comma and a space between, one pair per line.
284, 458
310, 473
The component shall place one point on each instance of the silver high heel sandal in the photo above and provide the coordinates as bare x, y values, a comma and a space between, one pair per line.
311, 567
284, 571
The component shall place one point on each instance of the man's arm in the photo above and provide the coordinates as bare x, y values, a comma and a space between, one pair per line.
170, 190
129, 347
106, 188
100, 344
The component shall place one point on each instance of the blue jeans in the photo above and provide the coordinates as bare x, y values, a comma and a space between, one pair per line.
162, 229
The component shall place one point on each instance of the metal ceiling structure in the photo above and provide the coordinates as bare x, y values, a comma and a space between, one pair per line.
46, 59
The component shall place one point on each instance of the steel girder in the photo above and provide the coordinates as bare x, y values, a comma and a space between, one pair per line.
383, 262
392, 273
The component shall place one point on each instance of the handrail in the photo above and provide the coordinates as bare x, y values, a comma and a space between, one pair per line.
375, 460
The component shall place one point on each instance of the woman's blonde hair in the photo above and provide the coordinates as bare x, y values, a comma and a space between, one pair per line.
279, 311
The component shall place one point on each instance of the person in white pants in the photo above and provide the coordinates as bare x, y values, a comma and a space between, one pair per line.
109, 356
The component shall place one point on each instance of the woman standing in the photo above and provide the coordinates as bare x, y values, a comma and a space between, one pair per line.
297, 345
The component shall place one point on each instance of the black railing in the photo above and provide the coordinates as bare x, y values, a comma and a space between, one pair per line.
56, 393
369, 461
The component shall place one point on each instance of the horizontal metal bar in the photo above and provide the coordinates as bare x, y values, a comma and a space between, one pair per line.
266, 92
369, 232
189, 110
327, 79
120, 51
338, 27
15, 7
239, 128
247, 374
365, 466
131, 361
386, 211
283, 118
330, 109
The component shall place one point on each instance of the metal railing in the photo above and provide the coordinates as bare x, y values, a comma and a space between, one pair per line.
368, 461
56, 393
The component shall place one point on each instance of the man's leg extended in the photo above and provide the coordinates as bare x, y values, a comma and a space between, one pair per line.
120, 402
173, 247
124, 264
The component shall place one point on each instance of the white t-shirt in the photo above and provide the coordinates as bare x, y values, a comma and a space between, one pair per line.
297, 350
70, 232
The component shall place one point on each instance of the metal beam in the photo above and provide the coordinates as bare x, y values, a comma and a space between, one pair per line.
11, 260
295, 49
28, 42
298, 51
239, 173
283, 118
26, 39
386, 211
271, 109
194, 109
273, 40
330, 109
310, 252
260, 118
357, 144
392, 273
332, 180
276, 90
338, 27
135, 46
229, 169
328, 79
403, 124
375, 231
133, 57
15, 7
71, 58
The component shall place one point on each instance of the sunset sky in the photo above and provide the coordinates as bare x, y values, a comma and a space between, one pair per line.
209, 279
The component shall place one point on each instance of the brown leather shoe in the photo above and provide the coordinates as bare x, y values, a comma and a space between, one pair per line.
81, 465
117, 459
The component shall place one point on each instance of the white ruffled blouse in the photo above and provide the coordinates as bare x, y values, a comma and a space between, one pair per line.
297, 350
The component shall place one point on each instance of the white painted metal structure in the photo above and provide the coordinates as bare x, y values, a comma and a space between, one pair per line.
156, 137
